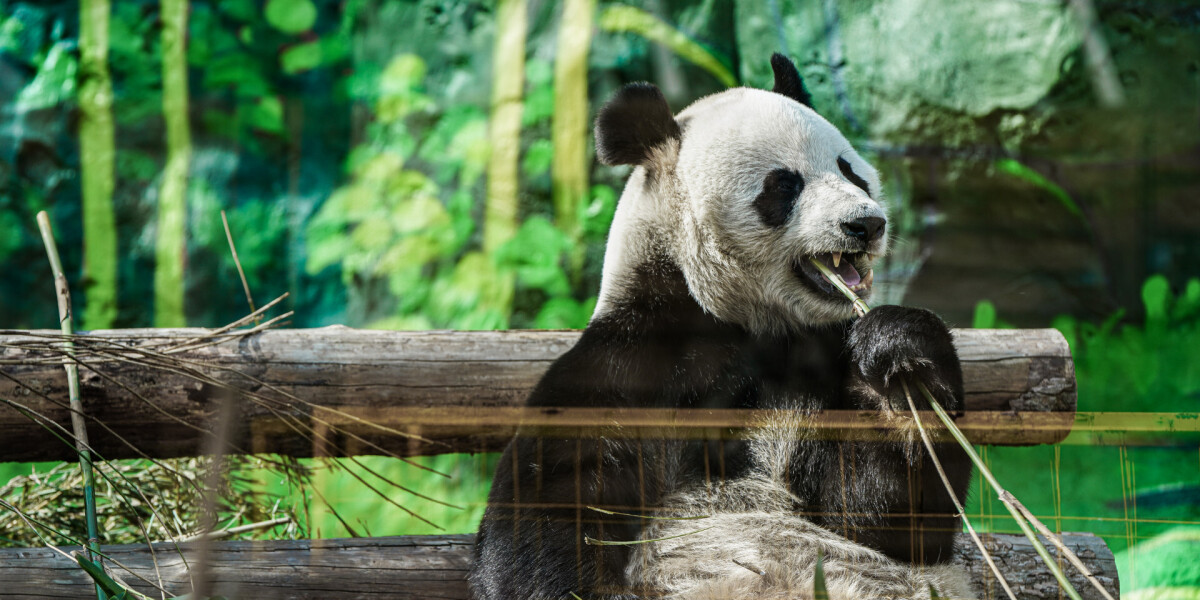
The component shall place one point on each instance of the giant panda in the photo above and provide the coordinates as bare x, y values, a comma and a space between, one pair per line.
708, 300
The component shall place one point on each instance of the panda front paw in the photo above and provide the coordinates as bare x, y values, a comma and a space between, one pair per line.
891, 344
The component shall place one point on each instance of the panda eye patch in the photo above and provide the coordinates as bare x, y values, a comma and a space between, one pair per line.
851, 176
781, 188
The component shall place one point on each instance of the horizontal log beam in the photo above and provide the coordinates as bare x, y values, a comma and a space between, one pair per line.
434, 567
336, 391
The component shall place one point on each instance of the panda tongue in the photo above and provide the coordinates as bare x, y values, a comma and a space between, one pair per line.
846, 271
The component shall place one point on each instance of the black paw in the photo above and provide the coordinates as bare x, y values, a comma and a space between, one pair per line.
893, 344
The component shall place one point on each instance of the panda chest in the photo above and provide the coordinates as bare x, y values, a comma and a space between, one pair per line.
786, 373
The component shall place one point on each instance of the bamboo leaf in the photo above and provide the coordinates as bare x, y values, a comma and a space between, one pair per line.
820, 592
291, 16
635, 20
1020, 171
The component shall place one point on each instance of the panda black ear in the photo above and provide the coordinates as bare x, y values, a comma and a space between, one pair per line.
632, 123
788, 81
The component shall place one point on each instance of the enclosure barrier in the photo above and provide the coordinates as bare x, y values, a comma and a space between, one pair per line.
336, 391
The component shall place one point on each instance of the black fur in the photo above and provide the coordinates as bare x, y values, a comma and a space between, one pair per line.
781, 189
788, 81
851, 176
632, 123
661, 349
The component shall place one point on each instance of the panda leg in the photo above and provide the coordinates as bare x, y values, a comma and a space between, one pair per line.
531, 542
888, 496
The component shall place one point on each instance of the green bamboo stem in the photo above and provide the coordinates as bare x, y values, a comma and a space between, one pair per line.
620, 18
861, 308
1003, 494
96, 160
504, 137
78, 423
508, 87
170, 244
962, 512
569, 125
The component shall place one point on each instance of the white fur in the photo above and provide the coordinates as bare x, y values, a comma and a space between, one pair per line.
752, 541
694, 203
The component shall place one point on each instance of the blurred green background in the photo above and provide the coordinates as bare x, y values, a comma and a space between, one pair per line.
428, 164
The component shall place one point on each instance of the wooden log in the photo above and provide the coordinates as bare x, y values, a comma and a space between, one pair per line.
435, 567
336, 391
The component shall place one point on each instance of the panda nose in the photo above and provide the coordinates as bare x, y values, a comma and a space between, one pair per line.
867, 229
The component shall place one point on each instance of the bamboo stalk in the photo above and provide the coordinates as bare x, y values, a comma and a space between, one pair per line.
170, 244
861, 308
508, 86
78, 424
504, 139
1001, 492
569, 125
96, 159
962, 512
1058, 543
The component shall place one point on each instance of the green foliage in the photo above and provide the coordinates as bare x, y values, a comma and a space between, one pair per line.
1166, 566
985, 317
620, 18
291, 16
1016, 169
1134, 367
55, 80
392, 223
130, 492
1146, 368
452, 503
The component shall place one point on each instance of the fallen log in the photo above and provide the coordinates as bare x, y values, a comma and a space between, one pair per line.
435, 567
339, 391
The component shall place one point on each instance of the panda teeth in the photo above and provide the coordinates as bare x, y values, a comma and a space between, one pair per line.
837, 259
866, 282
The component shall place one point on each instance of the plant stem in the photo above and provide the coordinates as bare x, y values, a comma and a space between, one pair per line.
1001, 492
504, 140
170, 244
861, 308
96, 159
937, 463
78, 424
569, 124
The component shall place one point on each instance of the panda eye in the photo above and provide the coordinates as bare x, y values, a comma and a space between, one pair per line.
851, 176
781, 188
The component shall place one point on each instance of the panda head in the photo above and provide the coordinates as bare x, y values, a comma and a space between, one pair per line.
740, 191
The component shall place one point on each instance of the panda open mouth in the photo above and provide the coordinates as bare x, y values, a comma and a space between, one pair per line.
849, 266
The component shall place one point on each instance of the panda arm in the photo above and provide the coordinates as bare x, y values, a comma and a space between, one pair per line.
902, 505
